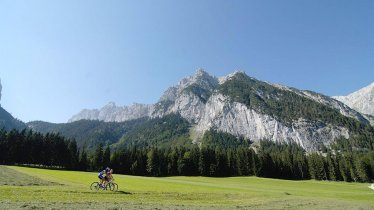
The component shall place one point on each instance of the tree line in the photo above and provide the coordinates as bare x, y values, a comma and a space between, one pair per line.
269, 159
34, 148
266, 159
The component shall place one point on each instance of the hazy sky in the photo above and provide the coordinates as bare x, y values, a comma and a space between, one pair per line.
58, 57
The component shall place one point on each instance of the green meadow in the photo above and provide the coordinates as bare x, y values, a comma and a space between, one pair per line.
32, 188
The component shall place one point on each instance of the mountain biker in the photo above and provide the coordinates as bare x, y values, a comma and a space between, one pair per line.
102, 173
109, 175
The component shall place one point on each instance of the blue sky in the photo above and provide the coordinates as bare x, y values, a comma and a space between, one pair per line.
58, 57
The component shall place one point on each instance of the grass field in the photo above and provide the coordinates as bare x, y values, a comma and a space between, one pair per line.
30, 188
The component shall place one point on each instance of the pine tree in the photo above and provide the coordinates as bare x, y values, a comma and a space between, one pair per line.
98, 158
316, 167
173, 162
153, 163
203, 162
255, 163
106, 157
83, 161
344, 170
363, 169
74, 155
331, 167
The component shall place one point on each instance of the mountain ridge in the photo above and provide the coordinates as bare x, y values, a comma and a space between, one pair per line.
246, 107
8, 122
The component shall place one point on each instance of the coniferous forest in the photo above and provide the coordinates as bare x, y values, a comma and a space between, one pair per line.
224, 157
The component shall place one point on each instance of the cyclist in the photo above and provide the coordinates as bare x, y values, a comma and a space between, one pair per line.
102, 173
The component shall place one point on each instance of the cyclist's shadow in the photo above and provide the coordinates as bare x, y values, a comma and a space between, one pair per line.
123, 192
114, 192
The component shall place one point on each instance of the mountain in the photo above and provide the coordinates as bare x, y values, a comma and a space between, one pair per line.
1, 87
113, 113
245, 107
361, 101
166, 131
143, 132
8, 122
88, 133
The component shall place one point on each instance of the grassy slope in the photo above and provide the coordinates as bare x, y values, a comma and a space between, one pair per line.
13, 178
72, 191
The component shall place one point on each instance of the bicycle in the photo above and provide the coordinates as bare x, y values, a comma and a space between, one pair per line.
105, 186
97, 186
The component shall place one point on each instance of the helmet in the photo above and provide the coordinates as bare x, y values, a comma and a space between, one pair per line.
107, 169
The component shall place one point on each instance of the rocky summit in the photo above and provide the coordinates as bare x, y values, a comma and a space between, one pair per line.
245, 107
361, 100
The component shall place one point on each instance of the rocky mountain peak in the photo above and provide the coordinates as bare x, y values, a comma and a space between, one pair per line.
201, 73
200, 82
361, 100
200, 78
230, 76
111, 104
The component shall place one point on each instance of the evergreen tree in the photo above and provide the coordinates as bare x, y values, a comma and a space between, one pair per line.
83, 161
344, 170
173, 162
331, 167
98, 163
255, 163
362, 169
74, 155
204, 162
153, 163
316, 167
106, 157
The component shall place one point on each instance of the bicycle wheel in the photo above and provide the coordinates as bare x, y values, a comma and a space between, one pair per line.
110, 186
115, 188
95, 186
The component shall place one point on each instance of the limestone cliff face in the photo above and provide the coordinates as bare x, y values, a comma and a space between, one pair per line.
235, 118
200, 101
